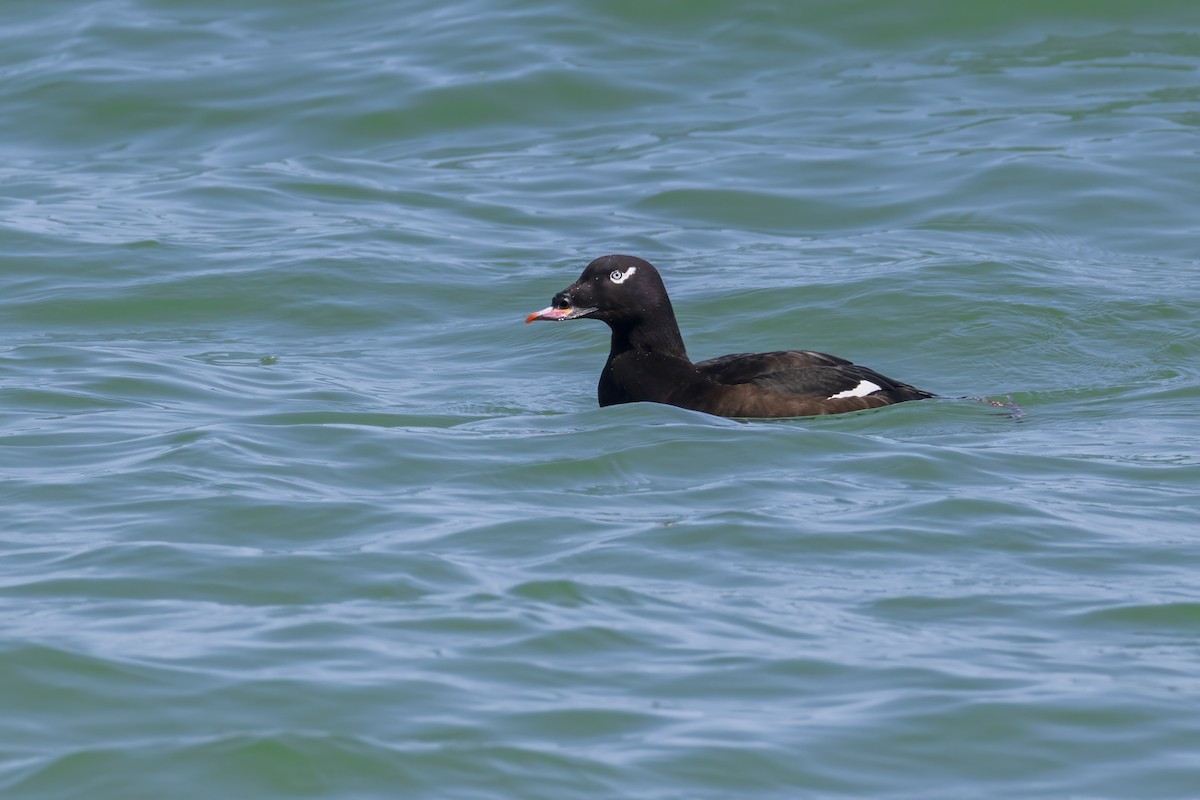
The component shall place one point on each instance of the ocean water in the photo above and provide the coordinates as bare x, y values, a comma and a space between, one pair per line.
294, 505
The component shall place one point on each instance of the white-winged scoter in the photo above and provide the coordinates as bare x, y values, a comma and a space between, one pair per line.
647, 361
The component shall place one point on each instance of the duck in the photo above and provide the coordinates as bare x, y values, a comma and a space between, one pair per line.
648, 363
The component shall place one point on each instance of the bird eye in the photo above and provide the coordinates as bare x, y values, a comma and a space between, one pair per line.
616, 276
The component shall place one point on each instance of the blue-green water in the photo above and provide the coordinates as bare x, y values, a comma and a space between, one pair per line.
295, 506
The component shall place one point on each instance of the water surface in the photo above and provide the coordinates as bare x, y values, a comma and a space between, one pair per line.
294, 505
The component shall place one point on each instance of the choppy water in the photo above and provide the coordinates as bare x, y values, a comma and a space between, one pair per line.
294, 505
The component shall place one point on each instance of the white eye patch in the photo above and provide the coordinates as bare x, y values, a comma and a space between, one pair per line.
620, 277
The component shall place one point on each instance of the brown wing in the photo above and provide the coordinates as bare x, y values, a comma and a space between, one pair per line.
750, 367
805, 373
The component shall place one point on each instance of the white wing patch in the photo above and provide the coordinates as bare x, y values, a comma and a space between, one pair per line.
863, 389
620, 277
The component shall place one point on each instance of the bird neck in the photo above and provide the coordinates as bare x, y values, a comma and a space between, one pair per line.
656, 333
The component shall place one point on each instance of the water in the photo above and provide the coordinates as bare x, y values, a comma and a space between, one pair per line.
294, 505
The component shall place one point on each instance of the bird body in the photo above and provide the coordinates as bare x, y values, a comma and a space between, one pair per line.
647, 360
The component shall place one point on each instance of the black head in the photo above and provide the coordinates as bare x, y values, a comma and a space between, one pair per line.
620, 290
